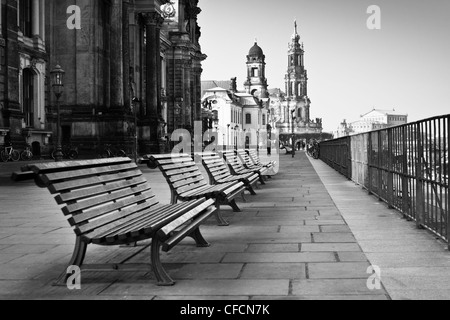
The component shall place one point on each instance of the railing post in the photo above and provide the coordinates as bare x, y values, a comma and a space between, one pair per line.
369, 163
380, 165
390, 164
420, 199
447, 179
405, 188
349, 159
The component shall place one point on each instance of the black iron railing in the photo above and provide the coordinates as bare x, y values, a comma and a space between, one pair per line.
405, 166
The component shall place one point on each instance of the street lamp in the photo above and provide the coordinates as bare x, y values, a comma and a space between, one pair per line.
135, 101
57, 75
228, 136
293, 132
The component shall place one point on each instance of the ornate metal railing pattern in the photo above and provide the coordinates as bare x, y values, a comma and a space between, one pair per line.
405, 166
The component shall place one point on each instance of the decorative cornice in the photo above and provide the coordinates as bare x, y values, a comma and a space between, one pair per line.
151, 18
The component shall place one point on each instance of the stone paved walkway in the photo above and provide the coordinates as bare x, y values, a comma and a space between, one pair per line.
290, 242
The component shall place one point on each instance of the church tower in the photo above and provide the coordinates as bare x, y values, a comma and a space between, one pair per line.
256, 83
296, 77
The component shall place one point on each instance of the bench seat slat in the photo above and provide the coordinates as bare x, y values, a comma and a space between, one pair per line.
78, 174
133, 206
51, 167
181, 177
83, 183
80, 194
101, 232
96, 201
184, 166
191, 182
149, 223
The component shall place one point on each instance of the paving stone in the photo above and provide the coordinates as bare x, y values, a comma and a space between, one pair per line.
341, 270
335, 229
26, 248
205, 271
279, 257
330, 247
334, 237
7, 257
352, 256
324, 222
337, 287
36, 258
202, 288
300, 229
21, 288
276, 248
274, 271
410, 259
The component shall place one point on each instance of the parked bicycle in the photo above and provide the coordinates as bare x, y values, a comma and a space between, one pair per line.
68, 151
9, 153
27, 155
110, 151
313, 150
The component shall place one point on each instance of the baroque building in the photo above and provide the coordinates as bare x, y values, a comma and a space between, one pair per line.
129, 62
291, 110
241, 117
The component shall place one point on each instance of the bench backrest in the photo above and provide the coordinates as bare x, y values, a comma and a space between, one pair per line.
180, 171
233, 161
215, 166
253, 155
96, 194
244, 157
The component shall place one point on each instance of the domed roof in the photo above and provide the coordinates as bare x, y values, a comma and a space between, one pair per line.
256, 51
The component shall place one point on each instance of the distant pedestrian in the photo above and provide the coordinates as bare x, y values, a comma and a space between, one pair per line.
269, 147
7, 140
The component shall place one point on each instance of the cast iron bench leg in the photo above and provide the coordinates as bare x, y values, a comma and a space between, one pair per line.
164, 280
79, 253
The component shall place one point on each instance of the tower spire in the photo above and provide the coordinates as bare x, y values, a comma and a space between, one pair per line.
295, 36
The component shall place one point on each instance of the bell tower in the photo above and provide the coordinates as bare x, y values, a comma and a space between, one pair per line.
256, 83
297, 76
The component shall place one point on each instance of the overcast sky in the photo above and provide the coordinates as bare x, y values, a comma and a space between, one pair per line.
405, 65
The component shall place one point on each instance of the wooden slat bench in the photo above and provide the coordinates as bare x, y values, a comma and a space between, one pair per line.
186, 182
247, 161
109, 203
237, 168
253, 155
219, 172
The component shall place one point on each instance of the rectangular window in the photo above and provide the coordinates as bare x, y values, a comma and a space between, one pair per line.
25, 18
264, 120
248, 118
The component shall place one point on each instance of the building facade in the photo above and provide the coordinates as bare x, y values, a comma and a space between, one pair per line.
291, 110
132, 67
242, 116
371, 121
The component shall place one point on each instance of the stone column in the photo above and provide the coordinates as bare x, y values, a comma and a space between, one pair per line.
153, 23
42, 19
35, 12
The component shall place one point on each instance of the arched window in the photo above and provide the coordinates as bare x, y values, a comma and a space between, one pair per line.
28, 97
